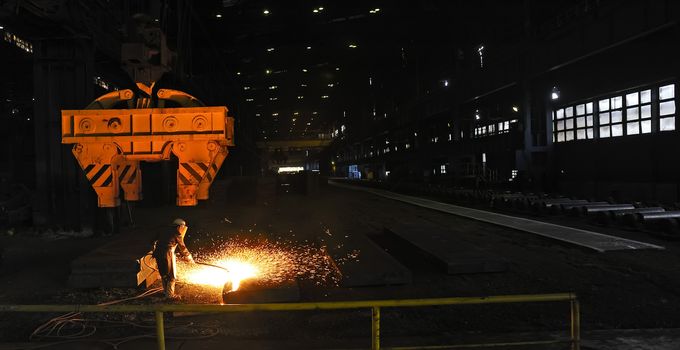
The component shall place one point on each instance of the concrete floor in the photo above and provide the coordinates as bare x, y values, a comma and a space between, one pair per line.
618, 290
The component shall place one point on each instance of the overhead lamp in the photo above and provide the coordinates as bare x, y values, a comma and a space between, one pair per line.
1, 27
217, 15
265, 12
304, 70
515, 109
337, 68
270, 49
268, 71
446, 83
309, 47
352, 46
238, 73
477, 117
324, 96
555, 94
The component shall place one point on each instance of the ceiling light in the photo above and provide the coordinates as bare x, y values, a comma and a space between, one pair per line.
309, 47
324, 96
446, 83
270, 49
246, 88
300, 97
265, 12
238, 73
352, 46
330, 85
315, 11
555, 94
515, 109
218, 15
268, 71
337, 68
304, 70
273, 87
275, 114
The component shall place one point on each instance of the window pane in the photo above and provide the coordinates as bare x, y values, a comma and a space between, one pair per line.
580, 122
589, 132
666, 108
666, 124
569, 111
589, 120
589, 107
570, 124
633, 128
604, 105
580, 109
617, 130
617, 102
560, 113
560, 125
617, 116
604, 118
632, 99
604, 131
632, 113
646, 112
646, 96
570, 135
666, 92
646, 126
581, 134
560, 137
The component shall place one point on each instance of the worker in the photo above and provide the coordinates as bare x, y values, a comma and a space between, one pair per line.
164, 253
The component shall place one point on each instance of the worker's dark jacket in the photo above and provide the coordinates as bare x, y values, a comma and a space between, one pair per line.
164, 252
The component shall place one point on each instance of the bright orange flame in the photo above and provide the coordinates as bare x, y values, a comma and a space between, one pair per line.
274, 262
215, 277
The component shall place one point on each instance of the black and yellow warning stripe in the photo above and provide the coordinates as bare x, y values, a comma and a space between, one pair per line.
127, 174
212, 171
99, 175
192, 173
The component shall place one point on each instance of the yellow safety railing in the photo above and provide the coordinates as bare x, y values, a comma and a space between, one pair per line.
374, 305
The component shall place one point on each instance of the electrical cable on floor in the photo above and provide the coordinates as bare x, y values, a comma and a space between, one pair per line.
80, 328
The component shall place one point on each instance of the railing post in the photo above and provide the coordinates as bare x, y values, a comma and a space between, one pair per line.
375, 328
575, 325
160, 330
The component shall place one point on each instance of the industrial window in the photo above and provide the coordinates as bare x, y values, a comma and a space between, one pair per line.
573, 123
639, 112
611, 117
667, 107
442, 169
630, 113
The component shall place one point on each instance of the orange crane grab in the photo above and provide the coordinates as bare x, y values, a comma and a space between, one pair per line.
109, 143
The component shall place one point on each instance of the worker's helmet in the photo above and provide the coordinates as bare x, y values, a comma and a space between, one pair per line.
179, 222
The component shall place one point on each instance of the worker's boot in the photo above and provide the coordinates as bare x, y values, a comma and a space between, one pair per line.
170, 290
